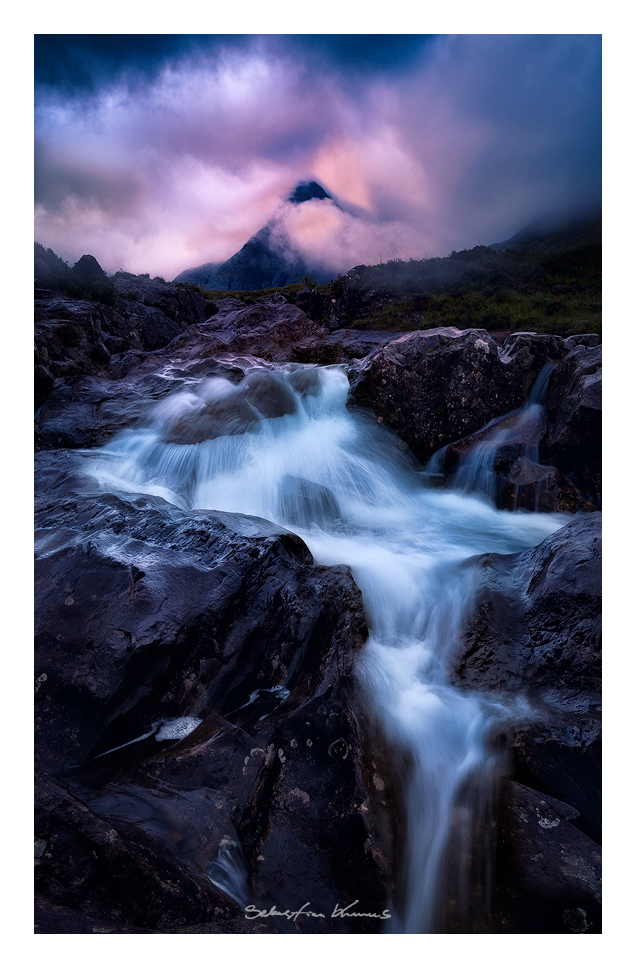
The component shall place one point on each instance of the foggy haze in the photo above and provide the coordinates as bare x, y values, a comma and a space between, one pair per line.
170, 152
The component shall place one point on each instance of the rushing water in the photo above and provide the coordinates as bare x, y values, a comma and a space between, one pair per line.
282, 445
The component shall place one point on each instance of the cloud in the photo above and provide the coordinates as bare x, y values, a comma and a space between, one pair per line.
174, 152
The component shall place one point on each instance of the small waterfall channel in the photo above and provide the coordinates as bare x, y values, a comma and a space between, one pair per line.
282, 444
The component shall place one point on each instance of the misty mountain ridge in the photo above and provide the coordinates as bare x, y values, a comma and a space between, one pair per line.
268, 259
556, 232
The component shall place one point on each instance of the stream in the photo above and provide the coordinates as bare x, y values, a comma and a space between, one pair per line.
282, 444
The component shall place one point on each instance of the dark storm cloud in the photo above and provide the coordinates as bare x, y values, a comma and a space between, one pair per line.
83, 62
171, 150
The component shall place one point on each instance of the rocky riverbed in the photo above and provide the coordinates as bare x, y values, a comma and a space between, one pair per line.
203, 740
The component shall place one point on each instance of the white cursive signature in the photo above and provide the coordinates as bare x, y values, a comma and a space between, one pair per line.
338, 911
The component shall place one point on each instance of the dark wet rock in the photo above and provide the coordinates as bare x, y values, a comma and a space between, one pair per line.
229, 416
272, 328
154, 327
537, 617
74, 337
574, 403
184, 304
532, 347
535, 631
145, 614
540, 488
209, 602
564, 758
305, 503
582, 339
49, 918
284, 810
509, 475
114, 871
131, 630
269, 394
436, 386
43, 381
548, 873
85, 412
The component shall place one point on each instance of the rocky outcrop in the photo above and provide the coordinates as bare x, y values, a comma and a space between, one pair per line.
122, 619
436, 386
548, 872
75, 337
502, 462
271, 328
193, 668
574, 405
120, 874
193, 697
535, 631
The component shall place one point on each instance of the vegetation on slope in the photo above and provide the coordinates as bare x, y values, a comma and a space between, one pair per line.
547, 292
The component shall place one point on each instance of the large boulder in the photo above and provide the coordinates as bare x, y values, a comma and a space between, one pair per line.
501, 462
137, 599
271, 328
574, 405
548, 872
535, 632
75, 337
194, 697
436, 386
121, 874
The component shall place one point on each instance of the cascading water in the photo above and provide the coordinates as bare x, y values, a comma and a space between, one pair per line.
282, 445
519, 432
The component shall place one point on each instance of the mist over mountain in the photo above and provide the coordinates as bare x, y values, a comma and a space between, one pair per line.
557, 231
271, 257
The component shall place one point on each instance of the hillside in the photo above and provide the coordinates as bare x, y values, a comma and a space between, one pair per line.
524, 290
551, 234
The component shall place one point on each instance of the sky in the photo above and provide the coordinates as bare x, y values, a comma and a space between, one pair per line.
156, 153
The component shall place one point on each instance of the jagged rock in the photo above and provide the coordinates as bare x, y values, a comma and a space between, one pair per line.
574, 404
535, 631
74, 337
509, 476
89, 269
114, 871
582, 339
548, 873
268, 328
123, 619
85, 412
527, 485
146, 613
433, 387
538, 617
41, 271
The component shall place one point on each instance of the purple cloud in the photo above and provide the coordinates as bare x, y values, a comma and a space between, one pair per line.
429, 146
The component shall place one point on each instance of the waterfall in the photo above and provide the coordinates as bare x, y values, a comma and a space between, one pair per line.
282, 444
518, 433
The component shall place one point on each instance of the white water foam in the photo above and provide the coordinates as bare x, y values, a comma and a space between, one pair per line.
346, 486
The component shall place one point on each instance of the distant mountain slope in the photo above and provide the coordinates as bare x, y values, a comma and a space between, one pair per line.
198, 274
262, 263
552, 234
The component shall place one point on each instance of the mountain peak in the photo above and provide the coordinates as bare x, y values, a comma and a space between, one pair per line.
306, 191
